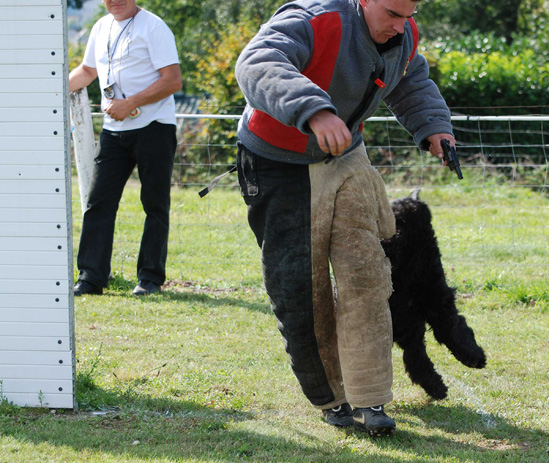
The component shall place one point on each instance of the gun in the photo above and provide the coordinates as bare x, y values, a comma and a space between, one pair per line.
451, 157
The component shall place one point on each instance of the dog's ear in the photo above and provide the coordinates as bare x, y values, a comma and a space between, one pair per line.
415, 194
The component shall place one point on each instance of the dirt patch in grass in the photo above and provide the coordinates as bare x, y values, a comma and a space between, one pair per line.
198, 288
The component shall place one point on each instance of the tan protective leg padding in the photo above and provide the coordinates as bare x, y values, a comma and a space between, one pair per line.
350, 213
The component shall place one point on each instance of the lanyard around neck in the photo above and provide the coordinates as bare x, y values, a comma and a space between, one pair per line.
110, 54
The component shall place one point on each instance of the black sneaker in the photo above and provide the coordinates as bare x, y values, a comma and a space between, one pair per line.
85, 287
146, 287
374, 421
342, 415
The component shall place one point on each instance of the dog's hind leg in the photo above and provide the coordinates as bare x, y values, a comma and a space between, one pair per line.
418, 365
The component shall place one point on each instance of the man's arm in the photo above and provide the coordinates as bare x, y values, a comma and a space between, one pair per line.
418, 105
81, 77
168, 83
269, 71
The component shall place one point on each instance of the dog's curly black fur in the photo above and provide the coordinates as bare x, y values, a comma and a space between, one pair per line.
421, 296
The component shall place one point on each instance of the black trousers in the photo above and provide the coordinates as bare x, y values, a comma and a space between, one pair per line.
152, 149
309, 220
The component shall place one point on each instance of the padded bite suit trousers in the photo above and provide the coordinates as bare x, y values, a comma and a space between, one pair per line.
306, 219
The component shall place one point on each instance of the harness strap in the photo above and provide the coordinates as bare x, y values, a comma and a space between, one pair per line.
214, 183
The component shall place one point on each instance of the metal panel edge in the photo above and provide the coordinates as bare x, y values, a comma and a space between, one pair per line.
68, 195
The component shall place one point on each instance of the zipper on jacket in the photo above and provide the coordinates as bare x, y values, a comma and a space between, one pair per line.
367, 98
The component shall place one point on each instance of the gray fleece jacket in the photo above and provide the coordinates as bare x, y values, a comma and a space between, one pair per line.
318, 54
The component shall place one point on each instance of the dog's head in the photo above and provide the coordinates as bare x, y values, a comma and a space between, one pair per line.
413, 223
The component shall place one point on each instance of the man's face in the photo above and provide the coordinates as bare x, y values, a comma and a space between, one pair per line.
120, 9
386, 18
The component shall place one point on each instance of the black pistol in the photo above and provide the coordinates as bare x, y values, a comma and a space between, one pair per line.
451, 157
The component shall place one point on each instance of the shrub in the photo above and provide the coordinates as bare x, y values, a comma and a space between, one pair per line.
491, 79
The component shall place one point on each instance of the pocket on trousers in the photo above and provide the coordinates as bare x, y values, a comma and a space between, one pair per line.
247, 171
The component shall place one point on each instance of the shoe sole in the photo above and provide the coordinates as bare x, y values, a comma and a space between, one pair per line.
145, 293
84, 293
377, 432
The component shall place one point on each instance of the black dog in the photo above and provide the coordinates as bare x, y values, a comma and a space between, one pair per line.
421, 296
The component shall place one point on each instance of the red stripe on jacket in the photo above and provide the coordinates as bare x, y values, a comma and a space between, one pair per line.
327, 37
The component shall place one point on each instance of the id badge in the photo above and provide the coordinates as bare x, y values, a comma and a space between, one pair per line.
108, 92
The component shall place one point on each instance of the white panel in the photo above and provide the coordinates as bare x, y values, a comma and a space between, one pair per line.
34, 358
24, 172
31, 273
55, 187
32, 129
50, 301
41, 13
32, 201
28, 28
28, 100
30, 386
36, 287
31, 42
14, 243
30, 71
31, 56
32, 258
30, 244
30, 115
33, 157
48, 400
33, 143
32, 329
28, 2
36, 305
31, 85
34, 315
56, 216
35, 371
12, 343
32, 229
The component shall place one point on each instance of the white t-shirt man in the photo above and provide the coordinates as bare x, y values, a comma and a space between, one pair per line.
128, 54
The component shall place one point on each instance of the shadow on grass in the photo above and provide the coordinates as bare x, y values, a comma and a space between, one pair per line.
491, 436
186, 291
140, 427
151, 429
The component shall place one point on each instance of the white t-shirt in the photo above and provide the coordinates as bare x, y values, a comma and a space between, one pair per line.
138, 48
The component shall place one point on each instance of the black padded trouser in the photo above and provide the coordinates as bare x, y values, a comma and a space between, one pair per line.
306, 218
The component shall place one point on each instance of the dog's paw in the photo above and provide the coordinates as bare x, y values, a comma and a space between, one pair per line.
468, 352
474, 361
437, 391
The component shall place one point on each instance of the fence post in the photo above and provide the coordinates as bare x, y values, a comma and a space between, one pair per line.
84, 142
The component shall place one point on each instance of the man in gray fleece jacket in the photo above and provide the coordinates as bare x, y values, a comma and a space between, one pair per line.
311, 76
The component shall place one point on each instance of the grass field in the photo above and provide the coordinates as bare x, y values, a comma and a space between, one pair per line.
199, 373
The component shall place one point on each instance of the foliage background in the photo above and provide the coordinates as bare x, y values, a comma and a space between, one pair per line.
487, 57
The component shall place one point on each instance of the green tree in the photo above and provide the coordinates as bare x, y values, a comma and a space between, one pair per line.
75, 3
197, 24
459, 18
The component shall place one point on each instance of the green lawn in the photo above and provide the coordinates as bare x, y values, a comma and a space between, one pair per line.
199, 373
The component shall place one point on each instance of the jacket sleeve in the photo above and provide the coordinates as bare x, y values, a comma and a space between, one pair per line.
269, 71
418, 105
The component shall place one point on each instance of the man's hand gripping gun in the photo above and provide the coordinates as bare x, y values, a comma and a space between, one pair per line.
451, 158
